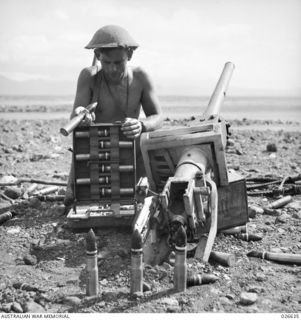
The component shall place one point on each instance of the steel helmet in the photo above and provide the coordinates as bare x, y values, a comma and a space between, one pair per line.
111, 36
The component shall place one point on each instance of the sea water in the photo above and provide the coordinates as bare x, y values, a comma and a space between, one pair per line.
173, 107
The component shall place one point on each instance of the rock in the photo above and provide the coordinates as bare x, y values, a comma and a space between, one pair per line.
272, 212
8, 179
103, 282
248, 298
146, 287
30, 260
6, 307
110, 296
260, 276
173, 309
230, 143
282, 218
296, 204
13, 230
230, 296
17, 307
35, 203
297, 215
225, 300
13, 192
254, 210
166, 266
123, 253
33, 307
72, 301
271, 147
170, 301
137, 295
2, 285
256, 289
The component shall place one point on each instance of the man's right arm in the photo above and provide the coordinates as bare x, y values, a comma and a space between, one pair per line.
83, 90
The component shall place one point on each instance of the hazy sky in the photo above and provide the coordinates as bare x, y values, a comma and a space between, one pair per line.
182, 43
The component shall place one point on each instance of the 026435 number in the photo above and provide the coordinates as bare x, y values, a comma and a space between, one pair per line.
289, 315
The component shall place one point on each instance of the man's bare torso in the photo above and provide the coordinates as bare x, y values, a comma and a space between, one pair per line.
115, 101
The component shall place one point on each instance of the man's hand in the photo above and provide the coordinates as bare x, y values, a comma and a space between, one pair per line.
89, 116
131, 128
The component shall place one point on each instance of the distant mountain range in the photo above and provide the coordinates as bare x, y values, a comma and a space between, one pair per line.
43, 87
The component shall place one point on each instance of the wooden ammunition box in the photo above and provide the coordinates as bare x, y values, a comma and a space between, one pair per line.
232, 202
104, 177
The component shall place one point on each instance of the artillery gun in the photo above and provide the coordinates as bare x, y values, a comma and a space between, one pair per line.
191, 184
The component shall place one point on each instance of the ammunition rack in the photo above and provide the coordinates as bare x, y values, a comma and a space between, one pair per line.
104, 177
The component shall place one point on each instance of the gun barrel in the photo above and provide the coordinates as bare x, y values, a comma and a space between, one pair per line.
219, 92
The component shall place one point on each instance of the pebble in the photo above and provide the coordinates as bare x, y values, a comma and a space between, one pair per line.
17, 307
103, 282
14, 230
34, 203
297, 215
123, 253
296, 204
110, 296
260, 276
282, 218
256, 289
33, 307
254, 210
166, 266
30, 260
170, 301
248, 298
2, 286
146, 287
72, 301
271, 147
225, 300
6, 307
173, 309
13, 192
230, 296
8, 179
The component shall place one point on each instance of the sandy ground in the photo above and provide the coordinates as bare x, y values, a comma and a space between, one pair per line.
38, 249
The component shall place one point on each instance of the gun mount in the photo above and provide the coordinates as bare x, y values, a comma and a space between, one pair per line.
187, 169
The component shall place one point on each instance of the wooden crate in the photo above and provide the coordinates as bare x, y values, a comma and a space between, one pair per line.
162, 149
104, 177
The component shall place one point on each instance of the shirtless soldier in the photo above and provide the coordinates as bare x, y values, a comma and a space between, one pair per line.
119, 90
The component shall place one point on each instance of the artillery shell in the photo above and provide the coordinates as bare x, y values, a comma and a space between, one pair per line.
91, 267
235, 230
280, 203
180, 268
199, 279
226, 259
248, 237
136, 263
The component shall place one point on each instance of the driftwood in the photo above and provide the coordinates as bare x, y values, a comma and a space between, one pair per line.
29, 180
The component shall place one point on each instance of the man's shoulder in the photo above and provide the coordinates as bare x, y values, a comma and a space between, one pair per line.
140, 74
90, 71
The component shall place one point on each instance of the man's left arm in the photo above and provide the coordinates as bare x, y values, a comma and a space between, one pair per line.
132, 127
150, 105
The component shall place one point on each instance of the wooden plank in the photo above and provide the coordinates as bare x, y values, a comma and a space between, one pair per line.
179, 131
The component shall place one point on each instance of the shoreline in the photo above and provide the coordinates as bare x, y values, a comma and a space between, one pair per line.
235, 124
